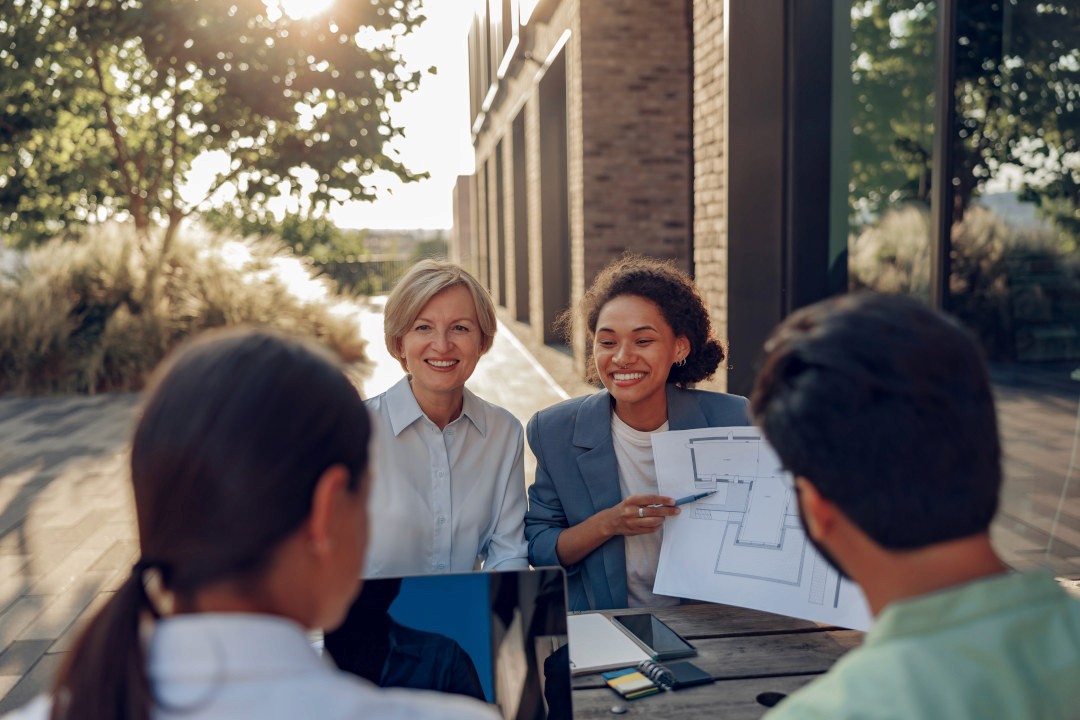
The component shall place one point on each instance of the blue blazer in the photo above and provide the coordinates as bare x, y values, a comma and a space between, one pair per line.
577, 476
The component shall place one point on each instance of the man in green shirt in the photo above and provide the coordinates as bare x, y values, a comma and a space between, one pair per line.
882, 411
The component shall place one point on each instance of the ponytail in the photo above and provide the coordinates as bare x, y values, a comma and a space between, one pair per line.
105, 676
236, 430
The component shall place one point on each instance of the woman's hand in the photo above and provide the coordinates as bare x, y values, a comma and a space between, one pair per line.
636, 516
632, 516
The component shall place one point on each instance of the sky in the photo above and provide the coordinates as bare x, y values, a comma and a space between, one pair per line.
436, 123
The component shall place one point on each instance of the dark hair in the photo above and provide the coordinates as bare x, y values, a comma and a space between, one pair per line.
236, 430
885, 406
673, 292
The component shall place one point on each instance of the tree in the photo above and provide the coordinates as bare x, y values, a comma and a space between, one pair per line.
1018, 99
317, 238
892, 113
105, 105
1017, 102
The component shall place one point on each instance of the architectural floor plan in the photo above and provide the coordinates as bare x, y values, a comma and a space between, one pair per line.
744, 544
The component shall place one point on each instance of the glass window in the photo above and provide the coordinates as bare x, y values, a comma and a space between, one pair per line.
1015, 270
883, 112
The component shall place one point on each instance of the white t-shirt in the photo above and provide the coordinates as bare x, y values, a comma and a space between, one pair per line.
637, 475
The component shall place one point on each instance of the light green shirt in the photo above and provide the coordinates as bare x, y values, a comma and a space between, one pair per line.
1005, 647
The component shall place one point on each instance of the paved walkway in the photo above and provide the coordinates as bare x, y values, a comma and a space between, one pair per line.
67, 526
67, 533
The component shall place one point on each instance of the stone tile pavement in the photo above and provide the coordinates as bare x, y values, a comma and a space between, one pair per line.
67, 524
67, 533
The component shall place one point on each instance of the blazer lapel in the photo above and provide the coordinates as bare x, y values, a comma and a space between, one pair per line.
599, 471
592, 431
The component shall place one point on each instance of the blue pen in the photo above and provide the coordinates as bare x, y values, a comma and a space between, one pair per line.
689, 498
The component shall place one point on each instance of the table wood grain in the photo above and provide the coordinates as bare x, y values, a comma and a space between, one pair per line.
747, 652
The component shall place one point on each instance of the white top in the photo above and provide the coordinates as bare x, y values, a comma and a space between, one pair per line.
445, 500
217, 666
637, 476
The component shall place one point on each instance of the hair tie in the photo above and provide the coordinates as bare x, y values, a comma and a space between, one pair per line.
144, 564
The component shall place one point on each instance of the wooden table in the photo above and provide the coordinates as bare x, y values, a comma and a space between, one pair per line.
748, 653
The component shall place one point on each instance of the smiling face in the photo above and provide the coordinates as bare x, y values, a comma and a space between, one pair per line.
634, 349
442, 345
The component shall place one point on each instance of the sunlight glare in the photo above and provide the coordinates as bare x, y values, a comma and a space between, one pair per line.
300, 9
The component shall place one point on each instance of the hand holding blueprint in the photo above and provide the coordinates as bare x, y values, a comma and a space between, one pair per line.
743, 545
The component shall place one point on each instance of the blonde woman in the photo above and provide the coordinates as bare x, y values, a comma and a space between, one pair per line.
452, 496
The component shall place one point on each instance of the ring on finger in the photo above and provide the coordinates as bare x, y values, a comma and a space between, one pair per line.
641, 511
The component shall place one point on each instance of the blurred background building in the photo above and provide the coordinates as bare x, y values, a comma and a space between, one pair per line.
785, 152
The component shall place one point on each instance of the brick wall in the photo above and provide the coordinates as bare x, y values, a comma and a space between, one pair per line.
629, 168
518, 93
710, 167
635, 65
636, 139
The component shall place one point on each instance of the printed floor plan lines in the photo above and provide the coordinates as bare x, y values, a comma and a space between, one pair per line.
744, 544
760, 535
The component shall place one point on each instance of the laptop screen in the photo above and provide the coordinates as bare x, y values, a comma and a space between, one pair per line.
497, 636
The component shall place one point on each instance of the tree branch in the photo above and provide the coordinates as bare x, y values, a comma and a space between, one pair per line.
174, 150
155, 184
217, 186
114, 129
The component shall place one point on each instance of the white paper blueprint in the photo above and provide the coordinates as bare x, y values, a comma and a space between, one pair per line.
744, 545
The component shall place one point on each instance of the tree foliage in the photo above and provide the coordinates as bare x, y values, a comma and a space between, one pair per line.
1017, 98
892, 113
1017, 102
105, 105
317, 238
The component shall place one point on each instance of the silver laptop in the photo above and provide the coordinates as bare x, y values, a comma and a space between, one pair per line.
497, 636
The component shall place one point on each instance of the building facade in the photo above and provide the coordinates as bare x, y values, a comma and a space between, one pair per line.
580, 112
785, 152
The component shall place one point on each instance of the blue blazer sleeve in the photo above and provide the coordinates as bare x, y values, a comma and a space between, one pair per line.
545, 519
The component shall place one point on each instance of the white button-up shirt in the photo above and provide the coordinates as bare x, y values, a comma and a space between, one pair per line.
207, 666
445, 500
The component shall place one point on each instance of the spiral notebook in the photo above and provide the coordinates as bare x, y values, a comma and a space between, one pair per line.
674, 676
649, 677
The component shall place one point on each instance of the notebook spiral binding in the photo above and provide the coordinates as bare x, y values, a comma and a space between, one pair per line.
657, 673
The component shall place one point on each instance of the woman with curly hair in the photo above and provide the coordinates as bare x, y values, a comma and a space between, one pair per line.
593, 508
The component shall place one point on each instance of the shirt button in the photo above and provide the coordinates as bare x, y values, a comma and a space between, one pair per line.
442, 519
440, 566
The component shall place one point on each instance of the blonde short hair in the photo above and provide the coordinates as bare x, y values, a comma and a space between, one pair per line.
414, 290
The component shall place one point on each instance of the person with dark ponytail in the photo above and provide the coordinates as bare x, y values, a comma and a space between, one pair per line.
593, 508
249, 469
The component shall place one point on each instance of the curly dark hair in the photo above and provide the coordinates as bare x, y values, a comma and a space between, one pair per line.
673, 292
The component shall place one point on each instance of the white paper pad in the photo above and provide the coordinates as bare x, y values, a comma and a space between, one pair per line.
744, 545
597, 644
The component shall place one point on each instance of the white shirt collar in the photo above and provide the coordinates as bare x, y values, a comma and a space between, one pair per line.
203, 646
404, 410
